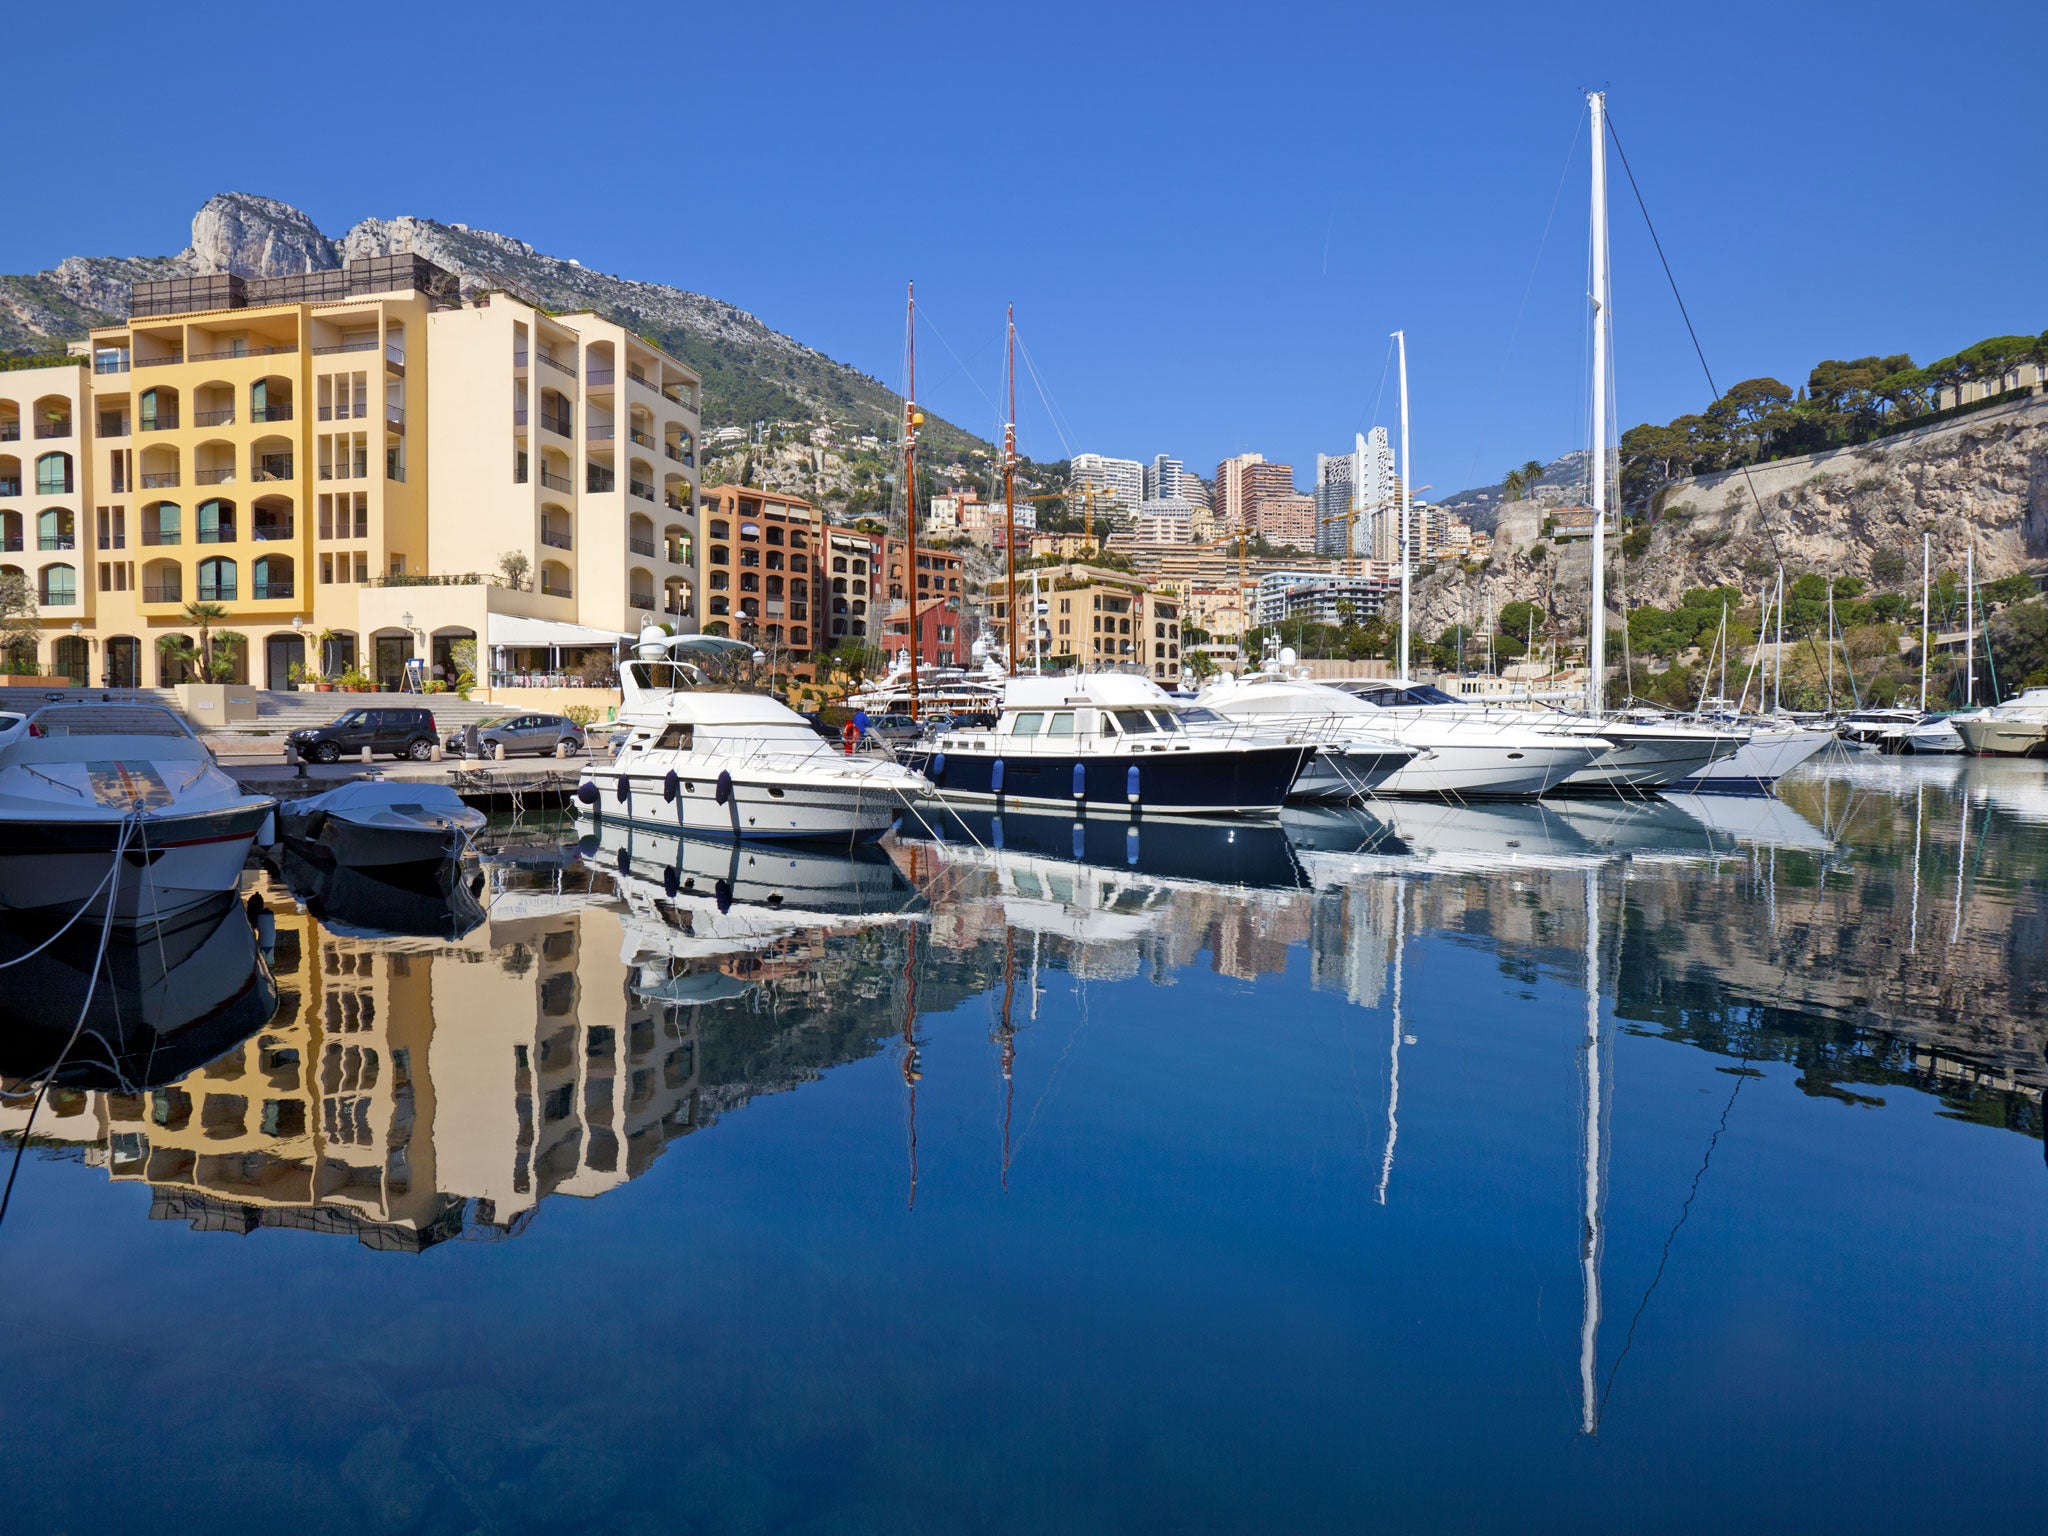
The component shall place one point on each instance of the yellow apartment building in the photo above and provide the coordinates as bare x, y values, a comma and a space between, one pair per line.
342, 461
1102, 619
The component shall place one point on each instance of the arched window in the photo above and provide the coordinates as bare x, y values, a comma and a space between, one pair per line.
56, 529
271, 577
217, 521
217, 580
53, 474
58, 585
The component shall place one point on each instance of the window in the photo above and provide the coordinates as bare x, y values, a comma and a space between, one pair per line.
1027, 724
53, 474
676, 738
217, 522
59, 585
1136, 722
55, 530
217, 580
1062, 724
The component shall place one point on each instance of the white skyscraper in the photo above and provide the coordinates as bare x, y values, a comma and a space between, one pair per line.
1359, 493
1167, 478
1124, 479
1333, 500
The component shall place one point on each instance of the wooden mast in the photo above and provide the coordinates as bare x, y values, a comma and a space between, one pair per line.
1010, 488
913, 418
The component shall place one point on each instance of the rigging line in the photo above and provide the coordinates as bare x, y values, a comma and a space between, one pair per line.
1698, 350
1058, 417
1515, 331
930, 325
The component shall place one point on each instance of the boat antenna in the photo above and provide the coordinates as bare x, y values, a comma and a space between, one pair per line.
913, 418
1010, 484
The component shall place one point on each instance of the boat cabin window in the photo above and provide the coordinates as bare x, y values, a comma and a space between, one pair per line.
1135, 722
1201, 716
676, 738
659, 675
1027, 723
1424, 693
1062, 724
1168, 721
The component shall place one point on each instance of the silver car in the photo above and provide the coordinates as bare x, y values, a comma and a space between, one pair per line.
536, 734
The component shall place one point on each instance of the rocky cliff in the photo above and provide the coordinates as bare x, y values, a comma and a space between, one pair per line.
750, 371
1982, 478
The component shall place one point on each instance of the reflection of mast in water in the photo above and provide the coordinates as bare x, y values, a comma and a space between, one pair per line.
1006, 1037
913, 1072
1919, 812
1394, 1051
1592, 1236
1962, 847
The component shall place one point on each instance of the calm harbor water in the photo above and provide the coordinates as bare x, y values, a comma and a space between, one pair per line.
1621, 1167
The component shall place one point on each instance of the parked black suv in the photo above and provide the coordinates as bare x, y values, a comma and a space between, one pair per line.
401, 732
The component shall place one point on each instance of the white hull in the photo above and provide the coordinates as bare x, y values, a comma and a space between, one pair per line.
1761, 761
1987, 737
782, 808
161, 883
1651, 762
1484, 771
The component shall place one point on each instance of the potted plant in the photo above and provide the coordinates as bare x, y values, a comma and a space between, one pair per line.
355, 681
298, 677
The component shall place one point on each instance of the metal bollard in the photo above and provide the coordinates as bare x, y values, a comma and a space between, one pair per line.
437, 753
366, 754
498, 752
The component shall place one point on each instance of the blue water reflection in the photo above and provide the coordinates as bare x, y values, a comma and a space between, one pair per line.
1673, 1166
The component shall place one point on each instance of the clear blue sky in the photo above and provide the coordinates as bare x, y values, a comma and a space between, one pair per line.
1208, 216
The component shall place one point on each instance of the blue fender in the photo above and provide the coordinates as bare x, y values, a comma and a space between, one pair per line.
671, 785
1131, 784
588, 792
995, 832
724, 790
1080, 781
1080, 840
995, 777
624, 789
1131, 842
937, 768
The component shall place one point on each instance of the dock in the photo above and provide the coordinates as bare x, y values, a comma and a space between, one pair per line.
537, 784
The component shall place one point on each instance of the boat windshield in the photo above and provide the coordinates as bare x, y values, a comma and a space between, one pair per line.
1198, 714
661, 676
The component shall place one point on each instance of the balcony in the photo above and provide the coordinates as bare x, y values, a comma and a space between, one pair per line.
164, 481
643, 490
224, 418
394, 417
552, 588
558, 367
11, 544
52, 541
53, 428
230, 356
599, 431
221, 533
110, 365
561, 426
159, 362
10, 487
394, 357
271, 413
641, 438
275, 532
274, 468
518, 417
362, 344
155, 536
162, 421
641, 547
163, 592
556, 482
264, 591
598, 377
682, 456
10, 432
518, 359
113, 429
599, 480
554, 540
210, 477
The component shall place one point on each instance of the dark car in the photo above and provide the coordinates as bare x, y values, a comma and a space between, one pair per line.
540, 734
400, 732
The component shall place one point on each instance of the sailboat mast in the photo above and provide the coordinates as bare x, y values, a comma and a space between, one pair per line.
1010, 487
1831, 646
1407, 480
1596, 630
913, 418
1778, 672
1970, 623
1926, 568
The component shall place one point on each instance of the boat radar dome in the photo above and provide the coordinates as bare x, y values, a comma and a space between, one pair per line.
653, 644
1287, 656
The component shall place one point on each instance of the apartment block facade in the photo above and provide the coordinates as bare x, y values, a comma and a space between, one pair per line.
1100, 618
340, 462
758, 571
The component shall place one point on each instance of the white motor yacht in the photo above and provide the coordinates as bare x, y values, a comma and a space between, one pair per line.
1935, 735
80, 780
1110, 741
1459, 750
1771, 751
719, 763
2017, 728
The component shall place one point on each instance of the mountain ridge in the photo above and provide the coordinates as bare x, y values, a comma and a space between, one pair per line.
751, 371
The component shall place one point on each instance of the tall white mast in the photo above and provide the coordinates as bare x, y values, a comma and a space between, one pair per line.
1926, 566
1407, 480
1970, 623
1596, 650
1778, 672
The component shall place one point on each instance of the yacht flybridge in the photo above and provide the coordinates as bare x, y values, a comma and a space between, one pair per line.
718, 763
1111, 741
84, 785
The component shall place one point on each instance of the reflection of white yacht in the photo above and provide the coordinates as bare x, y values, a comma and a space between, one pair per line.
78, 781
1762, 821
738, 765
692, 903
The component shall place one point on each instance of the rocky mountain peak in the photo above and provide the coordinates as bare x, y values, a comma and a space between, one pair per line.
253, 236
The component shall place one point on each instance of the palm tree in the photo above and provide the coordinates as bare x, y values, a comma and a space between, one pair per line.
1531, 473
205, 658
1511, 485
